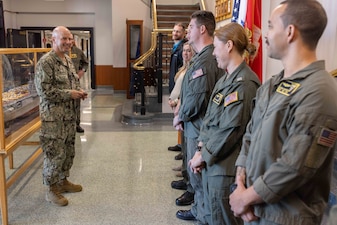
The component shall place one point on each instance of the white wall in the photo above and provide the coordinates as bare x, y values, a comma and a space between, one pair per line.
327, 46
70, 13
107, 17
131, 10
270, 66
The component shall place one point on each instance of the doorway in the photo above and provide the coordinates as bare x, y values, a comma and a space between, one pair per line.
84, 38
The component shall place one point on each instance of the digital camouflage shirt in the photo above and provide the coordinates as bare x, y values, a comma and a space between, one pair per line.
53, 80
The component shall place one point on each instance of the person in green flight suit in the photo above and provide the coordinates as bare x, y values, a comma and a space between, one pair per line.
228, 112
284, 167
196, 89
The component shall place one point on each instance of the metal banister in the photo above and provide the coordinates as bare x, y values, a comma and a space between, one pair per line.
139, 63
152, 58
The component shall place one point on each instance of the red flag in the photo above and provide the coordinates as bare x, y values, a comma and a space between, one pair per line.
253, 26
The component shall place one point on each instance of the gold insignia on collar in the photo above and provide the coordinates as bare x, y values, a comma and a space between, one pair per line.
287, 88
218, 98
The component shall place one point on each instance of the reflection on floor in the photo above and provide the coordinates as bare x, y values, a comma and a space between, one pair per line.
125, 172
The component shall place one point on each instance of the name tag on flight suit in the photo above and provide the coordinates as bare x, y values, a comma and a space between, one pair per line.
287, 88
218, 98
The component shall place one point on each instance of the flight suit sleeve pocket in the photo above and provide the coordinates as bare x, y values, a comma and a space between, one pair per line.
316, 156
324, 142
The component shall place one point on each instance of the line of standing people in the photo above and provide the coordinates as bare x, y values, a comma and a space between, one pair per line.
254, 151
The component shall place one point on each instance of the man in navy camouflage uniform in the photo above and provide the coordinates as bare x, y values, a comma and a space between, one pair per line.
58, 87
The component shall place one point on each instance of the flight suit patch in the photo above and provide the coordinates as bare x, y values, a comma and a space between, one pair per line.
327, 137
287, 88
232, 97
197, 73
218, 98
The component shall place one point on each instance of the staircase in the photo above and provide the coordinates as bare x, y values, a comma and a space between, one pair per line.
167, 16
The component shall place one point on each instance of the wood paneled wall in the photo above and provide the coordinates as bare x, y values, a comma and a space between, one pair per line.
119, 78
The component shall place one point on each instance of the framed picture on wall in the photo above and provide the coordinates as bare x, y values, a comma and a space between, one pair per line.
223, 9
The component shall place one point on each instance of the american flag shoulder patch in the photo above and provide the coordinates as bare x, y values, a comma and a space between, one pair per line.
197, 73
230, 98
327, 137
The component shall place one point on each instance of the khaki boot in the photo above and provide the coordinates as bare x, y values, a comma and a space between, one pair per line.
66, 186
53, 195
179, 174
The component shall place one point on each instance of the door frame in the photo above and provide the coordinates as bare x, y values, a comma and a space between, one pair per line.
92, 49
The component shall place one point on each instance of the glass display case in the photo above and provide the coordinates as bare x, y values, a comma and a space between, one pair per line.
19, 113
19, 98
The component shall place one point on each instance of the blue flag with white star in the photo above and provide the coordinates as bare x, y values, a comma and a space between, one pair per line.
235, 13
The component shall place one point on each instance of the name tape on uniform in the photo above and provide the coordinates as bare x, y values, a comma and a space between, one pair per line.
287, 88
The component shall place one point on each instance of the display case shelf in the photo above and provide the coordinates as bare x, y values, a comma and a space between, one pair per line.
19, 114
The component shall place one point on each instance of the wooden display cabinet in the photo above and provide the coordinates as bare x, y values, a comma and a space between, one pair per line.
19, 113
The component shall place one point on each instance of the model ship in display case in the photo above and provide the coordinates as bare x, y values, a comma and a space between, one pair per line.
19, 96
19, 101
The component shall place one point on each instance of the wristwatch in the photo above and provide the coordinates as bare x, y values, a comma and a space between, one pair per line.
232, 187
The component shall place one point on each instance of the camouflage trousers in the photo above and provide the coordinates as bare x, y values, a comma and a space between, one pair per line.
57, 140
78, 111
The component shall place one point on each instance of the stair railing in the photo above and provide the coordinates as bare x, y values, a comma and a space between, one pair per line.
202, 4
138, 64
152, 57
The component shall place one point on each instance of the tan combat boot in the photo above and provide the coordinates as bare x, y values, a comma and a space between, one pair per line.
66, 186
54, 196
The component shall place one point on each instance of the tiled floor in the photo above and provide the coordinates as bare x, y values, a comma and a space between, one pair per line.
125, 172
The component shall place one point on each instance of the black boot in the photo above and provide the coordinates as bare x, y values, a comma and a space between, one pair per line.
179, 184
185, 199
79, 129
